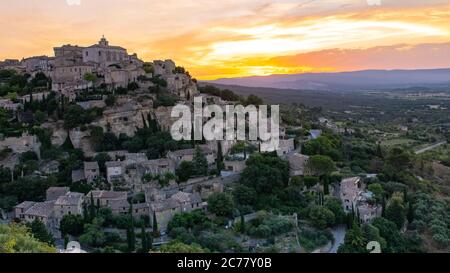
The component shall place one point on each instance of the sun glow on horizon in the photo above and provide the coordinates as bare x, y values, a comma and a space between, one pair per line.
239, 38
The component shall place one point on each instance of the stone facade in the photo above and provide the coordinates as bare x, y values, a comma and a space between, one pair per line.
355, 199
19, 145
116, 201
298, 164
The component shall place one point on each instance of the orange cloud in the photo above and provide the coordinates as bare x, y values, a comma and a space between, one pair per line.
236, 38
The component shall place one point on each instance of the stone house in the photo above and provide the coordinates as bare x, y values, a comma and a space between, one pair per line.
235, 166
123, 118
54, 193
114, 171
188, 155
91, 171
298, 164
285, 146
69, 204
20, 209
349, 192
37, 64
116, 201
141, 209
356, 199
104, 54
181, 202
42, 211
23, 144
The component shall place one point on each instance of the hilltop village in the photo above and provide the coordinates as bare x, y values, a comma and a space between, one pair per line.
86, 155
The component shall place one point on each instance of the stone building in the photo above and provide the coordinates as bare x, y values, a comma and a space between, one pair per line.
53, 193
356, 199
38, 64
298, 164
235, 166
188, 155
181, 202
104, 54
116, 201
91, 171
23, 144
42, 211
123, 118
114, 171
121, 76
69, 204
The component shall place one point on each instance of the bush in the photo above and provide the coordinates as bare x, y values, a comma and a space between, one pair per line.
312, 239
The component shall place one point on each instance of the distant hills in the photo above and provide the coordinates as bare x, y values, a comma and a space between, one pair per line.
348, 81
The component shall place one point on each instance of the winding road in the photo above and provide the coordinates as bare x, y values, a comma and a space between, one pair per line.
431, 147
339, 236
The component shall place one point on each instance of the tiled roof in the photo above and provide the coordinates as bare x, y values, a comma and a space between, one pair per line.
112, 164
25, 205
77, 175
43, 209
70, 199
109, 194
91, 165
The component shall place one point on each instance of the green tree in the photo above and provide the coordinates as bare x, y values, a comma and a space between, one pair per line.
179, 247
399, 158
91, 77
200, 162
244, 195
131, 236
74, 116
72, 224
94, 235
18, 239
266, 174
154, 223
395, 211
321, 217
321, 165
221, 204
40, 232
335, 205
354, 241
185, 171
102, 158
378, 191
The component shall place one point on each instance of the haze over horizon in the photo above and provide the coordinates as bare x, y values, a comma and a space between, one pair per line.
241, 38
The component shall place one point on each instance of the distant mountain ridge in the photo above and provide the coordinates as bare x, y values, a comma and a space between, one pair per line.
356, 80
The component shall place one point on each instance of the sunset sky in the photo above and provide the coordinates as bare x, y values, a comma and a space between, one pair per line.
233, 38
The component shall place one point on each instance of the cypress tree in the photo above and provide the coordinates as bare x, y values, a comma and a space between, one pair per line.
242, 223
326, 189
154, 223
131, 236
92, 208
85, 213
145, 240
219, 156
